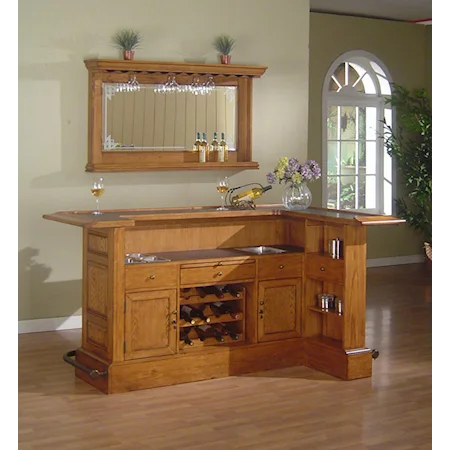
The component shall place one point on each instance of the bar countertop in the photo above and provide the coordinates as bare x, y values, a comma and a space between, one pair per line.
144, 217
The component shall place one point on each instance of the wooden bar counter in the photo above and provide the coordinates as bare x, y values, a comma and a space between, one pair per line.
134, 335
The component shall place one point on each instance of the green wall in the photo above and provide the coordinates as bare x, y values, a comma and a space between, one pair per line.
405, 49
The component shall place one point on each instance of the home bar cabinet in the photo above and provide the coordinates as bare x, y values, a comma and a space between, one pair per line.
257, 273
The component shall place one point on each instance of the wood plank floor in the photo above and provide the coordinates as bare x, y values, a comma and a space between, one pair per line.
295, 408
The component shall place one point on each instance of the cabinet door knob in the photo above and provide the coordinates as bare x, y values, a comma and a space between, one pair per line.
261, 302
219, 274
281, 266
151, 277
261, 311
219, 263
174, 311
322, 269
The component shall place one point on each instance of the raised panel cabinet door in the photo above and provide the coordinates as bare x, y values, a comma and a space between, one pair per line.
279, 309
150, 324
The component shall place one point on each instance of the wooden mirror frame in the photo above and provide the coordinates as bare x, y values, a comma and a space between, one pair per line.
118, 71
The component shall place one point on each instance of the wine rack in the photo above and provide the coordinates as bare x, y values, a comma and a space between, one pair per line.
233, 323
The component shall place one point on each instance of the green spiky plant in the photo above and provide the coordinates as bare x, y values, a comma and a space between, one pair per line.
224, 44
127, 39
410, 146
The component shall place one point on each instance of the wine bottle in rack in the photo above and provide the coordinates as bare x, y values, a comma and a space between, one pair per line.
189, 313
234, 289
185, 293
226, 331
221, 308
207, 331
184, 314
184, 335
210, 290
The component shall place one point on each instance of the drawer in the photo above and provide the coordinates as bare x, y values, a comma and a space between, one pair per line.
286, 265
322, 267
150, 276
216, 272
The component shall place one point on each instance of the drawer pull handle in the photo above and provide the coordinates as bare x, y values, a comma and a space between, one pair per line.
322, 269
219, 274
219, 263
174, 311
151, 277
281, 266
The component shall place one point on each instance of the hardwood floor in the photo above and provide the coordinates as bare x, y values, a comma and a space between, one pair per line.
295, 408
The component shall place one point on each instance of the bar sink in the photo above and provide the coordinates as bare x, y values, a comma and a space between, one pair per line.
261, 250
143, 258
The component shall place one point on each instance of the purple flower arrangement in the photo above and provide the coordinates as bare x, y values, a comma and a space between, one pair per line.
289, 170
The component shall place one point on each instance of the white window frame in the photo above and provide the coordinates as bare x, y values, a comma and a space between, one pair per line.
330, 98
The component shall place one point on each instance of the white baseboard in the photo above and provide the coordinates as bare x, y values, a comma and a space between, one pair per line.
52, 324
395, 260
72, 322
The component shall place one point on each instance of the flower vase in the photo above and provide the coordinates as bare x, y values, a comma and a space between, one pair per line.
297, 196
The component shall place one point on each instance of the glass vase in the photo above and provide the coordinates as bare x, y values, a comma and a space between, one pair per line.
297, 196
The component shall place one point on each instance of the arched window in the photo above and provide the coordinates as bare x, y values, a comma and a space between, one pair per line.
359, 173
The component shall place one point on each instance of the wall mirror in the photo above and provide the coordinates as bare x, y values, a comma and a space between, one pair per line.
144, 115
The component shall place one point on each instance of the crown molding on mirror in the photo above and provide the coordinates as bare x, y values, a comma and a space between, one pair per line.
103, 71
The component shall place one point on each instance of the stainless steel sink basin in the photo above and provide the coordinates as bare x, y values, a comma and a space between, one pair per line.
143, 258
261, 250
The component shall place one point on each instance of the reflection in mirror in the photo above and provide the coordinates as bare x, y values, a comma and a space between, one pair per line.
145, 120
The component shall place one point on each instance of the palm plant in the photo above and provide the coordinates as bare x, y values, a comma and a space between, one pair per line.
224, 44
410, 145
127, 40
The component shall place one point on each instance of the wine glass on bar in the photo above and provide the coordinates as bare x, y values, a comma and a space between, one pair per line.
97, 190
222, 187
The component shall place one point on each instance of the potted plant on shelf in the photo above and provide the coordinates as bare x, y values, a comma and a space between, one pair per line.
410, 145
224, 44
127, 41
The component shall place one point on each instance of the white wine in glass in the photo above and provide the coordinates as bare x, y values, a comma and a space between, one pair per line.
97, 190
222, 187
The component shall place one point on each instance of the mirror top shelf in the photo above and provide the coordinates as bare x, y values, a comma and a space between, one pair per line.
175, 67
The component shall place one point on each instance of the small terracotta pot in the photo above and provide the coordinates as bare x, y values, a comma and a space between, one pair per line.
225, 59
128, 54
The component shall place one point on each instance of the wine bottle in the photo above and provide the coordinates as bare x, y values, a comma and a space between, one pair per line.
234, 289
210, 290
214, 149
226, 331
221, 308
184, 335
207, 331
197, 144
185, 293
222, 155
251, 194
203, 150
190, 313
184, 314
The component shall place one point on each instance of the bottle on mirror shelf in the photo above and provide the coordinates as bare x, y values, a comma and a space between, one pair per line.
197, 144
210, 290
250, 195
214, 149
222, 152
184, 335
222, 308
204, 150
194, 313
207, 331
226, 331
